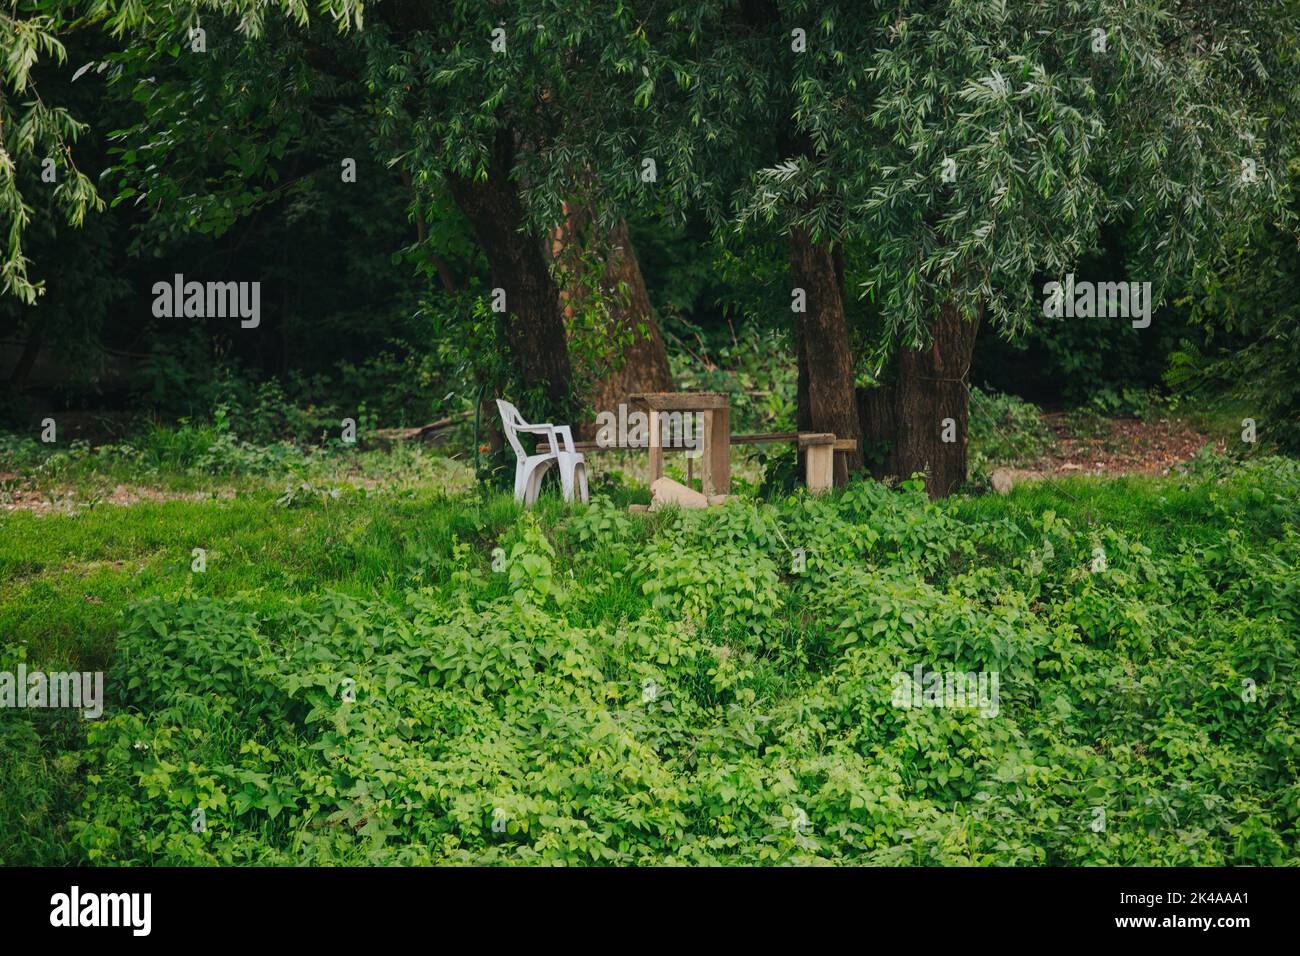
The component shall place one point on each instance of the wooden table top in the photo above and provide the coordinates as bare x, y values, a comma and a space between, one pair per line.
681, 401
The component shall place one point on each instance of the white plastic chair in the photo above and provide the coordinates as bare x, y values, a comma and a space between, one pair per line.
530, 469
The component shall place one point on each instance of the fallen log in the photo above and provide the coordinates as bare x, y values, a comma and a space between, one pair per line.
420, 432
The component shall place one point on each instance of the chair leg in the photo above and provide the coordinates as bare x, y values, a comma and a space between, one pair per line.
521, 483
566, 479
535, 481
582, 481
531, 491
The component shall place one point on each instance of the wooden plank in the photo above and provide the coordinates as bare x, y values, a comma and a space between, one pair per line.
819, 467
706, 456
590, 447
720, 450
680, 401
764, 438
811, 439
656, 448
544, 446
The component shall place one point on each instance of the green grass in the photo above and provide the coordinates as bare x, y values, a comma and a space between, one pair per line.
1220, 418
68, 579
1162, 511
521, 687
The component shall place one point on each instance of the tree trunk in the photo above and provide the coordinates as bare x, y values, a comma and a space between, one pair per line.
533, 326
641, 362
825, 395
910, 413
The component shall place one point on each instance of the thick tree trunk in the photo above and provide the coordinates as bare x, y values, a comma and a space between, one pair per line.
910, 413
533, 325
825, 394
641, 362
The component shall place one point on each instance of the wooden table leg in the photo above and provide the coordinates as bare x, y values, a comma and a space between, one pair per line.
656, 449
718, 450
704, 440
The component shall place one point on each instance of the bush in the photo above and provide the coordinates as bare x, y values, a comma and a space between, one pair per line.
721, 686
1250, 311
754, 368
1005, 429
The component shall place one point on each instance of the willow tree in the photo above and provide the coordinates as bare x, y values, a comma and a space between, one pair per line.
515, 106
718, 105
36, 139
498, 105
955, 152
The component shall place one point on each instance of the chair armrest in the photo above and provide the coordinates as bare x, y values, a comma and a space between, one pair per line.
565, 432
548, 430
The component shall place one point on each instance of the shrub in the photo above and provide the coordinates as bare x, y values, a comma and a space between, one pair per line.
719, 687
1005, 429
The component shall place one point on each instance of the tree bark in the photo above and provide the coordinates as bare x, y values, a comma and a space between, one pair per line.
909, 412
825, 396
533, 326
826, 401
642, 362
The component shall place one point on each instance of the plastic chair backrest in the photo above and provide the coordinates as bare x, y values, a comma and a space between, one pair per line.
512, 421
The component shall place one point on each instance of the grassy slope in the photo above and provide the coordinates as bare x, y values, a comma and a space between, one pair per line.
67, 581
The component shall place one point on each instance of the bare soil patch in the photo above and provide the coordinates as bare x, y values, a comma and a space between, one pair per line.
1115, 446
56, 501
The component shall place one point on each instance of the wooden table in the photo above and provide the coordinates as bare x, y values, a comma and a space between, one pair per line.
714, 409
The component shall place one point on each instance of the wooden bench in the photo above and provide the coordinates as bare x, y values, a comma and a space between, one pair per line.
714, 448
819, 450
763, 438
714, 409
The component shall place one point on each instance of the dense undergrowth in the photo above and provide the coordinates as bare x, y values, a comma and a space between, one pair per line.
703, 687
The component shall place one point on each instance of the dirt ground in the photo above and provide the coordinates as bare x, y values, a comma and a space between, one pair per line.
68, 502
1114, 446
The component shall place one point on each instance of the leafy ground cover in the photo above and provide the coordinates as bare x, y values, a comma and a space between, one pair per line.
416, 673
